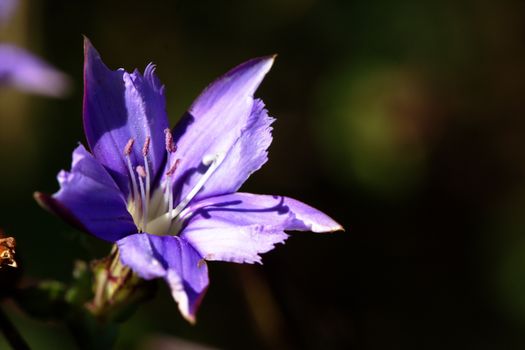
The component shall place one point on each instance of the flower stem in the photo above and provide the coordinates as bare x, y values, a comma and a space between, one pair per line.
12, 335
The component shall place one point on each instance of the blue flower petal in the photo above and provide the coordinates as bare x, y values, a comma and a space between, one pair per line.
238, 227
173, 259
90, 199
215, 121
247, 155
119, 106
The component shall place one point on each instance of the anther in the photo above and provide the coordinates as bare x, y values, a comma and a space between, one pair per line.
141, 171
129, 145
174, 167
127, 152
145, 148
170, 146
176, 215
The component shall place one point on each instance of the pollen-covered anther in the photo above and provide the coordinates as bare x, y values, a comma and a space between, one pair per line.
173, 168
129, 146
141, 171
145, 148
127, 152
170, 145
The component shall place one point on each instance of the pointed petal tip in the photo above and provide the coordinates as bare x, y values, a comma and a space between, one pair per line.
334, 226
90, 53
53, 206
270, 58
315, 220
269, 61
187, 309
266, 62
338, 228
87, 44
40, 199
258, 66
45, 201
190, 318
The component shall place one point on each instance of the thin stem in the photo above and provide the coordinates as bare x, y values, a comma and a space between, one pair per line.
12, 335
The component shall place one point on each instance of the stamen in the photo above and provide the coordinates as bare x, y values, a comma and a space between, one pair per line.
141, 171
170, 146
170, 197
208, 159
145, 148
127, 152
169, 185
129, 145
175, 215
144, 202
174, 167
213, 162
145, 151
167, 191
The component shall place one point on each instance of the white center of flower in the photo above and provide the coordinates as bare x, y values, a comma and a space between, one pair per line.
155, 213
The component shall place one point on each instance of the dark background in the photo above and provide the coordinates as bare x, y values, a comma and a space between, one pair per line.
402, 120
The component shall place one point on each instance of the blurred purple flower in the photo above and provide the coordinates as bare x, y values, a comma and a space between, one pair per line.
6, 9
168, 199
23, 70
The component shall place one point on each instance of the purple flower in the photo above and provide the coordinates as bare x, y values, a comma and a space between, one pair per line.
25, 71
168, 198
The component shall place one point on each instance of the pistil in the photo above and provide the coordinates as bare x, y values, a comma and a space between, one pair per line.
171, 218
171, 221
213, 163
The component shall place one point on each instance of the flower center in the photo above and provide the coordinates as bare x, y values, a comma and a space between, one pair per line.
155, 213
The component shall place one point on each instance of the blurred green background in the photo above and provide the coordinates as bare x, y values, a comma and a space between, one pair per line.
402, 120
